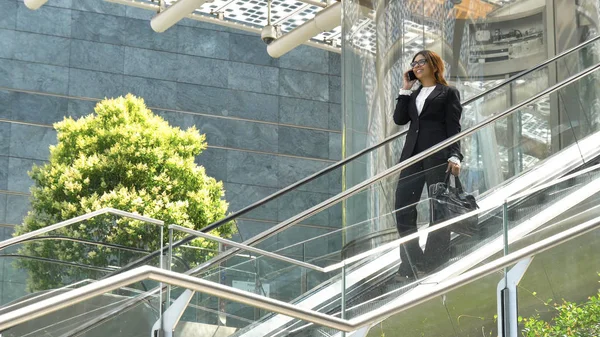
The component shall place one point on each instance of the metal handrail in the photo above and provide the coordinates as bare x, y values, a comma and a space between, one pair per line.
108, 210
394, 169
352, 157
196, 233
75, 296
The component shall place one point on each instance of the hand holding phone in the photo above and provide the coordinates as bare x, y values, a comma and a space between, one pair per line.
409, 79
411, 75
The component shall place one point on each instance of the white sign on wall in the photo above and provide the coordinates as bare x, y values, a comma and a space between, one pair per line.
251, 287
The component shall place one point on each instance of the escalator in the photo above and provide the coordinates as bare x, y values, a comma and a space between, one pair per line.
573, 197
326, 297
551, 209
567, 274
368, 277
322, 291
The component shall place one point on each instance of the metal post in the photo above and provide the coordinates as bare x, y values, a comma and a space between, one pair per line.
502, 290
170, 256
258, 289
169, 266
303, 273
166, 325
160, 295
161, 246
505, 229
343, 313
507, 296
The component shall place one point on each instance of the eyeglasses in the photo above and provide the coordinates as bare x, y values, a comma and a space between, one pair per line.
420, 62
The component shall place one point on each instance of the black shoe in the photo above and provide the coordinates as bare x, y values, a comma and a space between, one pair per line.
416, 272
402, 279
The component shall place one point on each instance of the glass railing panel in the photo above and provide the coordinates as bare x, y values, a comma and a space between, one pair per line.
133, 320
281, 280
268, 276
75, 253
470, 250
136, 321
490, 228
193, 254
558, 294
210, 310
577, 106
230, 318
17, 283
520, 213
544, 115
15, 295
467, 311
553, 208
262, 276
321, 240
548, 198
560, 280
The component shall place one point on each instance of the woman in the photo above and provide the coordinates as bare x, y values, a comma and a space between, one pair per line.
434, 112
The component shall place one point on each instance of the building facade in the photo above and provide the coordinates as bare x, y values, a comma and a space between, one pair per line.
268, 122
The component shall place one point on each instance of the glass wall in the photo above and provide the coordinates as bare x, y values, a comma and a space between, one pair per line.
482, 42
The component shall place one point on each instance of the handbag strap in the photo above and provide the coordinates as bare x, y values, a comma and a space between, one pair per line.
447, 179
458, 185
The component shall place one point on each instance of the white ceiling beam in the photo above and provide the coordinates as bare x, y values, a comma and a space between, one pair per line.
174, 13
214, 20
324, 21
35, 4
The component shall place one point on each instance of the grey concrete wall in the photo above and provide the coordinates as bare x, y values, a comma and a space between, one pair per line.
268, 122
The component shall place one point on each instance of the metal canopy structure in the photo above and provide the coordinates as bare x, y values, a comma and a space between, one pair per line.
291, 15
251, 15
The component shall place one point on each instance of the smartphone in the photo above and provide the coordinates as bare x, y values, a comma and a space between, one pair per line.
411, 75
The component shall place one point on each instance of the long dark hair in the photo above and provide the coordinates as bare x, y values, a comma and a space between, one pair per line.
435, 62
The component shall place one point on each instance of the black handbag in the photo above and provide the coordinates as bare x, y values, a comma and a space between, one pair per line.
447, 202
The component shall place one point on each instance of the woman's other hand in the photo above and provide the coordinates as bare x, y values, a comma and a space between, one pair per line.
453, 168
407, 82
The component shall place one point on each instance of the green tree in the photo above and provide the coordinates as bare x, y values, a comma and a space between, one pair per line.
569, 319
122, 156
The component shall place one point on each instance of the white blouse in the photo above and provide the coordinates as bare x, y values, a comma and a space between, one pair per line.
422, 96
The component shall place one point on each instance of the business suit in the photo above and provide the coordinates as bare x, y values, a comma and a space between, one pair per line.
439, 119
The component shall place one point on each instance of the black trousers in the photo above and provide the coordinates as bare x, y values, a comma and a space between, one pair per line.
408, 193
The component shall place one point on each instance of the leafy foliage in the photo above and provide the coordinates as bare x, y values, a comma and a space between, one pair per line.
122, 156
571, 319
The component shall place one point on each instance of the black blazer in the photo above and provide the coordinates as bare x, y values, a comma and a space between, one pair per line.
439, 120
